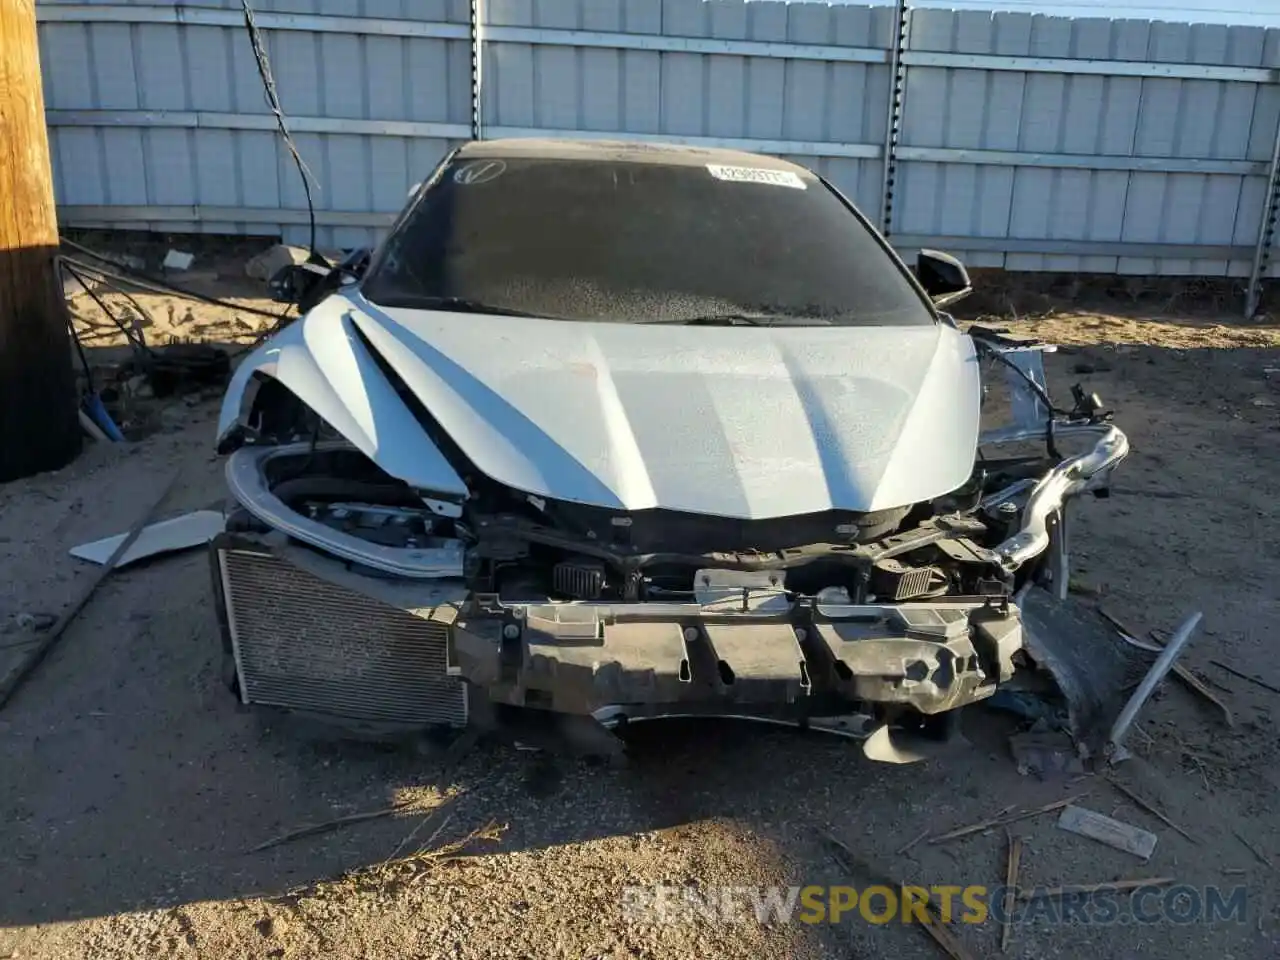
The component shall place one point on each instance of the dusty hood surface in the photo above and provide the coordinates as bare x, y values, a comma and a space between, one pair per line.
743, 422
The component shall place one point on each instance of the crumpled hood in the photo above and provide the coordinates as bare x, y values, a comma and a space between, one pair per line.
742, 422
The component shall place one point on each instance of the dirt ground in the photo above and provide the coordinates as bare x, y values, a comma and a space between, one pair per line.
132, 785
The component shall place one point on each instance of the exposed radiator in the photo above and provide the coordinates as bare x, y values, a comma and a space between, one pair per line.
303, 643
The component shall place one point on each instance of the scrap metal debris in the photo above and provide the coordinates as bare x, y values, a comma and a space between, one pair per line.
1003, 818
1189, 679
1097, 826
1159, 670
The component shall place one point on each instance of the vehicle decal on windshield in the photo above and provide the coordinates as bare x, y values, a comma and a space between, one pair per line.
776, 178
481, 171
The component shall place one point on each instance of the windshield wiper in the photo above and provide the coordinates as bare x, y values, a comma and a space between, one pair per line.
719, 320
464, 305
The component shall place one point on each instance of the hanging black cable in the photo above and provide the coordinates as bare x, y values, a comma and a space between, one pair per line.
273, 101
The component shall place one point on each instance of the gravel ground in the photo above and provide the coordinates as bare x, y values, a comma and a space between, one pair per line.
133, 785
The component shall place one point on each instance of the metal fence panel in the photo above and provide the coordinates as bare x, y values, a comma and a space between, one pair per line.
1026, 142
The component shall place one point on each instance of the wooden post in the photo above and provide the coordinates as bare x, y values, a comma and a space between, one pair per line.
39, 427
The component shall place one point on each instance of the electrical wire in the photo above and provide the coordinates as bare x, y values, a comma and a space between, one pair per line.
139, 345
78, 267
142, 311
273, 101
1036, 388
146, 281
84, 359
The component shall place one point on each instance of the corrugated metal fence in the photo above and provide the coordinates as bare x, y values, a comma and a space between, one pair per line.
1018, 141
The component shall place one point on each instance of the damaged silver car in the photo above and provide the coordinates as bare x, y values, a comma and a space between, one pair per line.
617, 431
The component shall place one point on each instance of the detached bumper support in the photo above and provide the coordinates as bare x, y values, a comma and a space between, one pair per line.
578, 658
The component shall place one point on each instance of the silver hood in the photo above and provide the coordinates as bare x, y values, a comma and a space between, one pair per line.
742, 422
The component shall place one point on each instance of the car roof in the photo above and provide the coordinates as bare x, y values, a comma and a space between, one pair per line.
629, 151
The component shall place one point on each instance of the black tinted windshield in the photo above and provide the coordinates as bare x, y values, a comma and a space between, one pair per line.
614, 240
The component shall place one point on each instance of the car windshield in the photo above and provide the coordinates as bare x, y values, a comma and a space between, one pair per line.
640, 242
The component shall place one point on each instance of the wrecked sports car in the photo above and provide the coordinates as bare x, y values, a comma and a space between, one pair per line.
611, 432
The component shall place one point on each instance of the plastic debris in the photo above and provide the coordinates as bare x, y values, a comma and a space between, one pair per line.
177, 260
1097, 826
179, 533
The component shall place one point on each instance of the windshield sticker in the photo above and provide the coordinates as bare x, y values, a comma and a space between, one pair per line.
775, 178
481, 171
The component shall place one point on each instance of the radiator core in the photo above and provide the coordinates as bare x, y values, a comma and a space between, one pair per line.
303, 643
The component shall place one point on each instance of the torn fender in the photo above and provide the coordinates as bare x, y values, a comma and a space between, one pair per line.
323, 361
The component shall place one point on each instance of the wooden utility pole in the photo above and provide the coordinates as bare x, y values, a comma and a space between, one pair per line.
39, 425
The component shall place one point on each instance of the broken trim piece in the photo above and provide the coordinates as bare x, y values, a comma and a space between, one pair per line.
178, 533
1072, 476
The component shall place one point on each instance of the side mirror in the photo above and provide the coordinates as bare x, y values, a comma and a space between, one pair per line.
299, 283
355, 264
943, 277
306, 284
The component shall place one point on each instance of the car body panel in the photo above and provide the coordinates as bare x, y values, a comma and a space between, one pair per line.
741, 422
